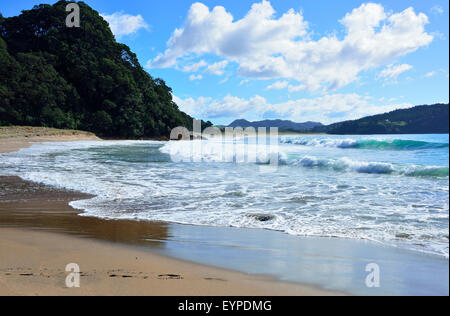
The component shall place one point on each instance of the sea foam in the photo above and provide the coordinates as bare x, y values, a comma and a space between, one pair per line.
316, 191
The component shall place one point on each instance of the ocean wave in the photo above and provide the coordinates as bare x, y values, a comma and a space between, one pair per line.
419, 171
240, 153
345, 164
349, 165
396, 144
218, 152
357, 207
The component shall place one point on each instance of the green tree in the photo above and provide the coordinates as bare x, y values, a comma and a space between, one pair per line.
82, 78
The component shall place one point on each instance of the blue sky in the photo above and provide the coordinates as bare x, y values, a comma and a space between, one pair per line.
301, 60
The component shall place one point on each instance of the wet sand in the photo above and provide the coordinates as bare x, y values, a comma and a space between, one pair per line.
40, 234
33, 263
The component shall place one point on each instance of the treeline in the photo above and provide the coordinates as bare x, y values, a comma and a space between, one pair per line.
79, 78
423, 119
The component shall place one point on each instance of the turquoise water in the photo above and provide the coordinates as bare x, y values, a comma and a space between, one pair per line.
392, 190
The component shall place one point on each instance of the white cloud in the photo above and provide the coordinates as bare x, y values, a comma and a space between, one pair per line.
195, 77
190, 105
279, 85
326, 109
437, 9
430, 74
195, 67
267, 47
231, 106
217, 68
122, 24
393, 71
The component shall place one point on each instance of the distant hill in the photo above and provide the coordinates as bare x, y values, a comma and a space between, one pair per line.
79, 78
282, 125
423, 119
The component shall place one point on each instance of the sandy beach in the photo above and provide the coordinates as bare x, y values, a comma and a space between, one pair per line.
224, 153
33, 263
14, 138
40, 234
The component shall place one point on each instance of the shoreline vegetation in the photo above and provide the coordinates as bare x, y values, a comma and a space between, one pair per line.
40, 234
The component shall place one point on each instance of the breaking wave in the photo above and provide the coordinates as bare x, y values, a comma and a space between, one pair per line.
239, 153
396, 144
346, 164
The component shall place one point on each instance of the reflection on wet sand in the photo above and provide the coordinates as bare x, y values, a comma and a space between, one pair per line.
21, 202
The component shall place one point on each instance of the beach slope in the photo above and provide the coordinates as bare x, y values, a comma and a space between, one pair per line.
40, 235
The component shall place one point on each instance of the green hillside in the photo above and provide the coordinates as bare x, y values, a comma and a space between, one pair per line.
424, 119
78, 78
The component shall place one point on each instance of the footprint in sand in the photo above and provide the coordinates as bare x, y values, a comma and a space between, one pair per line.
170, 277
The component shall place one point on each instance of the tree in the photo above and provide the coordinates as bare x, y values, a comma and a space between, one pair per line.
80, 78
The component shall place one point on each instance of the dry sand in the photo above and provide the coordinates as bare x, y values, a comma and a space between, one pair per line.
14, 138
40, 234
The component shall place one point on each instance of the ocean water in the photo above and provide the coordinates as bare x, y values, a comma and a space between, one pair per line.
390, 189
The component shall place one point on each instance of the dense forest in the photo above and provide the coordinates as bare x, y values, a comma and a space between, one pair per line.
423, 119
79, 78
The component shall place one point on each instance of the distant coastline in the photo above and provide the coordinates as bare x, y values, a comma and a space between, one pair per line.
422, 119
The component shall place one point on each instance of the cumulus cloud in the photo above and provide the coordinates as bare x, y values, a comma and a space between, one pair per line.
326, 109
195, 66
430, 74
217, 68
191, 106
267, 47
122, 24
393, 71
231, 106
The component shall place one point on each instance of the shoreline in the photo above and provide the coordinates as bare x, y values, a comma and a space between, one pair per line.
299, 265
13, 139
41, 233
38, 268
